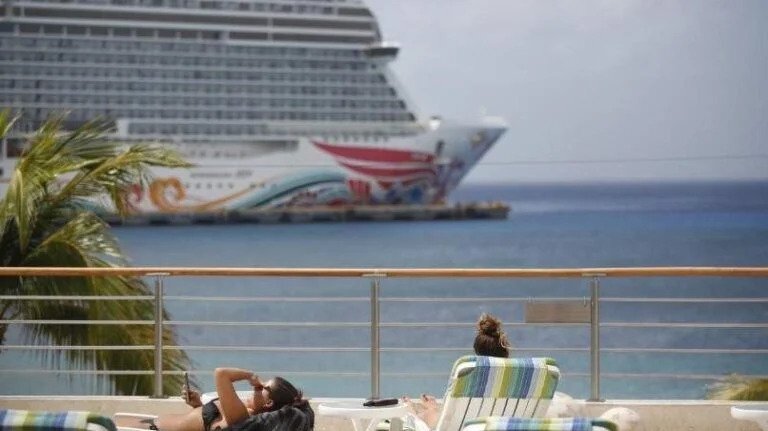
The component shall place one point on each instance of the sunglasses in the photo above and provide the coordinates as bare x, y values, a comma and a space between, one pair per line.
259, 387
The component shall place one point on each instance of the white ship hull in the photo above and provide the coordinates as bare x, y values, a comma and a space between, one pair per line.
418, 169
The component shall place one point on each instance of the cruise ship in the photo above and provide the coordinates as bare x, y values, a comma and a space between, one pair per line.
277, 103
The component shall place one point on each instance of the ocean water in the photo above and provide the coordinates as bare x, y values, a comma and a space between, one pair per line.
593, 225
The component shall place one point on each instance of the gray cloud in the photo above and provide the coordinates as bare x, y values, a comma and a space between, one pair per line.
657, 89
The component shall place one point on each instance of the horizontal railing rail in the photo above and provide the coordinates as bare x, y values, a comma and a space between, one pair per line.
690, 271
375, 276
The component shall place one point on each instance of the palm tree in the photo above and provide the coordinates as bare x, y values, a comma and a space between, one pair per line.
739, 388
46, 219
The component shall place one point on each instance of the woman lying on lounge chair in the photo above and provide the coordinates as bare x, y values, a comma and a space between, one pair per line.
489, 341
276, 405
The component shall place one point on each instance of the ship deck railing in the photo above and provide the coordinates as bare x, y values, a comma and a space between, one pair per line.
545, 311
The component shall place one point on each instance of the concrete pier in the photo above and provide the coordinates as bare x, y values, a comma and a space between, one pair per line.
485, 210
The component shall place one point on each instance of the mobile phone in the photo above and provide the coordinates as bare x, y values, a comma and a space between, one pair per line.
380, 402
186, 382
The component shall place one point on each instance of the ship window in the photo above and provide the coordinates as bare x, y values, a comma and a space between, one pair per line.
297, 37
236, 35
348, 11
76, 30
207, 4
439, 148
15, 147
29, 28
291, 22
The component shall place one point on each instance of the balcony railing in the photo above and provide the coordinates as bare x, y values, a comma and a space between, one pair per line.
559, 316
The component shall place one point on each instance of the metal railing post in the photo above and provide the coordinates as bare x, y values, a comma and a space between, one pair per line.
594, 339
158, 391
375, 335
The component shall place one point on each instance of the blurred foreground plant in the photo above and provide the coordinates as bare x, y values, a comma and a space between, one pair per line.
739, 388
46, 219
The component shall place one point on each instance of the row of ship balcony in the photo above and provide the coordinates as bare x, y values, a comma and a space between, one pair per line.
195, 46
285, 92
240, 100
11, 88
200, 75
170, 61
24, 81
168, 16
300, 7
289, 80
241, 34
138, 110
230, 131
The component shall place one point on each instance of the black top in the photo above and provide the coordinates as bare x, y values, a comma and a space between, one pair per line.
288, 418
210, 413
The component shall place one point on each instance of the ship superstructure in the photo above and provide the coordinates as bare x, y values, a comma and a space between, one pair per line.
277, 102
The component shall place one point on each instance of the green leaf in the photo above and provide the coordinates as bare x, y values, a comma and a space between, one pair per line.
44, 222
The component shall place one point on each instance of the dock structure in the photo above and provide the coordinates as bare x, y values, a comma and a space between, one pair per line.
350, 213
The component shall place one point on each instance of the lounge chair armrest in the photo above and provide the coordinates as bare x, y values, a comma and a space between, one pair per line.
129, 426
413, 422
606, 424
135, 415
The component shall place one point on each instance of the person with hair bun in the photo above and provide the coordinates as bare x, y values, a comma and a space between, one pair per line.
489, 341
275, 405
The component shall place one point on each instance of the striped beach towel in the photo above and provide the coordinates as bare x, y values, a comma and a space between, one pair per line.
29, 420
506, 378
522, 424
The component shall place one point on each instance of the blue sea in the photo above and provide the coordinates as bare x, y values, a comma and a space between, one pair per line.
550, 225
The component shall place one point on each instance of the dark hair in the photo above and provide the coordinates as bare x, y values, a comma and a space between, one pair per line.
283, 393
490, 339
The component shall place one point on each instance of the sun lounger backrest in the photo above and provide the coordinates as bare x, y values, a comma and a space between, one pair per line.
31, 420
538, 424
486, 386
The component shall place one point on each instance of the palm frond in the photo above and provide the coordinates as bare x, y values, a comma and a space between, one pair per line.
7, 119
86, 233
111, 176
92, 166
739, 388
42, 223
64, 248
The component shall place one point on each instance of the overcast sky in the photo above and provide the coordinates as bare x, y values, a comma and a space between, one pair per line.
594, 89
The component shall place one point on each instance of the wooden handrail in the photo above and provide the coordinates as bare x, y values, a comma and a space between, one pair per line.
393, 272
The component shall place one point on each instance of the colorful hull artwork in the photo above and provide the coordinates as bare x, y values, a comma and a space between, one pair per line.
420, 169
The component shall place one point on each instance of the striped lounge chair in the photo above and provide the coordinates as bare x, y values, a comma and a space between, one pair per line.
497, 423
485, 386
30, 420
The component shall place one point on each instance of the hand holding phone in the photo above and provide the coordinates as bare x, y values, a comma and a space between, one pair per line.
187, 388
191, 397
